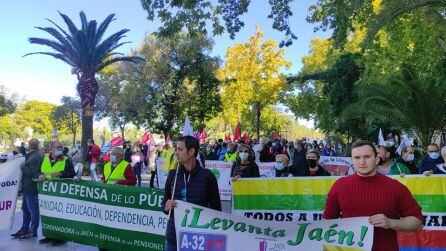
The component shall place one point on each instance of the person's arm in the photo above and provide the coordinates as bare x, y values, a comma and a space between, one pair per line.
332, 207
130, 177
31, 167
411, 217
213, 193
406, 224
256, 171
422, 168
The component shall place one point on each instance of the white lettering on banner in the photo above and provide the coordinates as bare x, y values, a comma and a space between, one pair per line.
84, 191
105, 215
10, 178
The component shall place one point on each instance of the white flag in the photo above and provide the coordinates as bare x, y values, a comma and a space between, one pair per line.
188, 130
380, 138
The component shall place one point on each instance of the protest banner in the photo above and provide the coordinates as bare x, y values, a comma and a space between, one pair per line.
303, 199
199, 228
107, 216
221, 170
10, 175
337, 165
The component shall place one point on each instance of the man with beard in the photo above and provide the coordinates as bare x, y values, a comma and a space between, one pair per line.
388, 166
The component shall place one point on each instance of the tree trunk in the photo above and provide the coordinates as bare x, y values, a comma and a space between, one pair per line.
87, 127
87, 89
258, 114
122, 129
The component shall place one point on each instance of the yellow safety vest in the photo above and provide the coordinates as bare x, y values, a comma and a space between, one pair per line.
47, 169
231, 158
170, 161
111, 177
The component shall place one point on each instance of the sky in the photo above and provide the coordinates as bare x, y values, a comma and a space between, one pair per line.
43, 78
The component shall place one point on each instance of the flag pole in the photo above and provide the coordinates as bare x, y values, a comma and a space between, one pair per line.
174, 185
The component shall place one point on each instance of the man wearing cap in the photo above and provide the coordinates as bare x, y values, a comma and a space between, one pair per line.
118, 171
55, 166
30, 204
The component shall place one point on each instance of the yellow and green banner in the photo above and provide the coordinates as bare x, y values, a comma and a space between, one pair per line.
303, 199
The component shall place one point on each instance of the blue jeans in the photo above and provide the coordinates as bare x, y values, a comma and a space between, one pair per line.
170, 246
137, 171
30, 208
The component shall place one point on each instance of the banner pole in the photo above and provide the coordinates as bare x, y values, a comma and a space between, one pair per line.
173, 191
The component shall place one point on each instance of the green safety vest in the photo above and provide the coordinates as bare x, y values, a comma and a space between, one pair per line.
111, 177
47, 169
170, 160
231, 158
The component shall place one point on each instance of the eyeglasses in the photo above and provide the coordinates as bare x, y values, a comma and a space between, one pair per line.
244, 151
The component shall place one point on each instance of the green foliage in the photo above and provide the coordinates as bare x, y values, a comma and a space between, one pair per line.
177, 69
195, 15
37, 115
66, 117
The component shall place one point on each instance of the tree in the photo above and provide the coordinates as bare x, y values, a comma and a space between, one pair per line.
37, 115
193, 15
66, 117
406, 103
87, 53
125, 97
253, 79
177, 69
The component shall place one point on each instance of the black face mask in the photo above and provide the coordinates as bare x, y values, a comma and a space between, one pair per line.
381, 161
312, 163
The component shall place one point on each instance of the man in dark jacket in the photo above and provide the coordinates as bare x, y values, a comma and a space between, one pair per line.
194, 184
432, 159
30, 204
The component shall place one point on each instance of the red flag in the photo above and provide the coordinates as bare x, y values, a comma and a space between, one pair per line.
227, 138
276, 134
237, 133
146, 137
117, 141
245, 138
203, 135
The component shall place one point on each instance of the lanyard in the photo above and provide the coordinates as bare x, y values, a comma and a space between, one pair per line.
185, 183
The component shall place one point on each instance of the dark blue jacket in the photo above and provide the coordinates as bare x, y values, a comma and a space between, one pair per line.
202, 190
428, 164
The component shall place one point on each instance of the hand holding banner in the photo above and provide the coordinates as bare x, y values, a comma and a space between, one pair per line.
199, 228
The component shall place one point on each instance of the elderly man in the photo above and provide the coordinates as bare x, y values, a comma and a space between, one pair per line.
55, 166
30, 204
118, 171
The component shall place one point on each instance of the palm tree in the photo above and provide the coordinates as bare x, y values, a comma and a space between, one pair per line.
87, 53
405, 102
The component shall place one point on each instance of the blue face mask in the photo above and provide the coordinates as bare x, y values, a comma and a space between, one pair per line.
280, 166
410, 157
113, 158
58, 153
434, 155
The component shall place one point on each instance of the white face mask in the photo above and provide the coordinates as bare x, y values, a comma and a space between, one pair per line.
243, 156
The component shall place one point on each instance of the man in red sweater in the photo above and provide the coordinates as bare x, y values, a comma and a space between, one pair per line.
389, 203
118, 171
